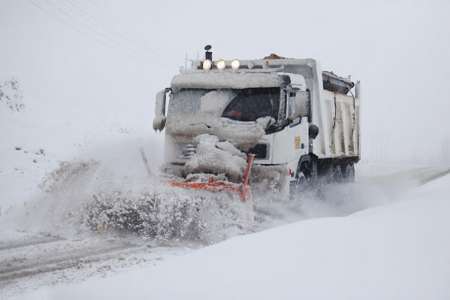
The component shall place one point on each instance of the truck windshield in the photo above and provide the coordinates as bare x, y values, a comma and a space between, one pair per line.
251, 104
241, 105
186, 101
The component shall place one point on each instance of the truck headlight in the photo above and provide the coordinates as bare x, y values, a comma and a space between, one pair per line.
207, 64
235, 64
221, 64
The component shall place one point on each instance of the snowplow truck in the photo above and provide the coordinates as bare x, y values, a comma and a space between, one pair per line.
294, 124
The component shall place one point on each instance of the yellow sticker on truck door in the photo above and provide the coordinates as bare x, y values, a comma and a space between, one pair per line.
297, 142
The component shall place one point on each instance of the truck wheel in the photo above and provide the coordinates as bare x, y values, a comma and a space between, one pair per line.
348, 172
301, 179
307, 175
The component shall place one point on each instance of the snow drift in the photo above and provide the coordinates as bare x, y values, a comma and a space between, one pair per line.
108, 190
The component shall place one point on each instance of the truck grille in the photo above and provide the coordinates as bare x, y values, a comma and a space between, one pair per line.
260, 151
187, 151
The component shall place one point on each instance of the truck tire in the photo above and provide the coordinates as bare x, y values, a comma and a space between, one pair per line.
307, 175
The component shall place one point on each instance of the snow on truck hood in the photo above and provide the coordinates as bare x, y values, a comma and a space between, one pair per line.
242, 134
226, 80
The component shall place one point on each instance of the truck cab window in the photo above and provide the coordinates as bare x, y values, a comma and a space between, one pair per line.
254, 103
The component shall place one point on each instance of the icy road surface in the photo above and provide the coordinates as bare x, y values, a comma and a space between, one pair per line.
49, 259
34, 261
45, 261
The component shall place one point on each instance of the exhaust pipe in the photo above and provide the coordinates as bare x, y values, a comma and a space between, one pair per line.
208, 53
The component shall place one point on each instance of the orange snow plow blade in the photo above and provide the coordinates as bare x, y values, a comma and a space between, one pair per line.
242, 189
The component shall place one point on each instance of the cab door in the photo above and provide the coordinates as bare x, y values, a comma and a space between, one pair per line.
291, 142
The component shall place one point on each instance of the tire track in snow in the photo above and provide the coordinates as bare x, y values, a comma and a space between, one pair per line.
50, 256
28, 242
435, 176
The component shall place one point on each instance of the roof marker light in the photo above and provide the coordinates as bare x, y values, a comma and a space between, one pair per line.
221, 64
235, 64
207, 64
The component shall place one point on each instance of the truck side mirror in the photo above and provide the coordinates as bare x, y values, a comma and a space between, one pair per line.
159, 122
313, 131
291, 110
299, 105
358, 90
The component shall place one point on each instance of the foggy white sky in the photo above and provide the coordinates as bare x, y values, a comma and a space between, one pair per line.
79, 61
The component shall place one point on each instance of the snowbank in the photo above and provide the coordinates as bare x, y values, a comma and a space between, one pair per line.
398, 251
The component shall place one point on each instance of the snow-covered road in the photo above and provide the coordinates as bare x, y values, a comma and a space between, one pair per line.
37, 261
395, 251
32, 256
30, 262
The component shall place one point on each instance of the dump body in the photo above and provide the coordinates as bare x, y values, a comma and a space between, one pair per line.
296, 119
